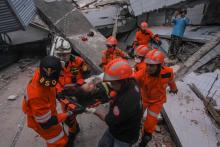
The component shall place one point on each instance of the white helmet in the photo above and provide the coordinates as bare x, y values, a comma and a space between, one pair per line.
61, 48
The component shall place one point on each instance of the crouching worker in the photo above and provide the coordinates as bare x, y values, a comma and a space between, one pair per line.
39, 103
125, 113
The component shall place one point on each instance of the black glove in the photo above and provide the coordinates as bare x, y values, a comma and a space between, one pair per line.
60, 95
74, 71
174, 92
72, 57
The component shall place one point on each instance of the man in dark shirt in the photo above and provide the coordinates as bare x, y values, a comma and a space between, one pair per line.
125, 113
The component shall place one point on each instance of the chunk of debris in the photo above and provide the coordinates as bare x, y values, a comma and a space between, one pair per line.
211, 66
195, 122
12, 97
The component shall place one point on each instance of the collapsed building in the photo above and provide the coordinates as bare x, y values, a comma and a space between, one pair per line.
187, 115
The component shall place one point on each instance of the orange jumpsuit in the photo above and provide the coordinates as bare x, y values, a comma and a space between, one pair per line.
145, 38
110, 54
77, 67
140, 68
154, 94
39, 104
64, 79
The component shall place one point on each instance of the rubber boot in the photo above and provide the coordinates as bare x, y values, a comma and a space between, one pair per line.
145, 139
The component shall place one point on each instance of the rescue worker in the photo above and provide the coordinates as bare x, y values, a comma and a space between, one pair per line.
39, 103
180, 22
77, 67
125, 113
70, 74
66, 76
153, 84
145, 35
73, 67
112, 51
139, 56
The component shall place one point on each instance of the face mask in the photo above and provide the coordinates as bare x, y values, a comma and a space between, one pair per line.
137, 60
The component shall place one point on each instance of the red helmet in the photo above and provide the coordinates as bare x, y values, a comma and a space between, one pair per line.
117, 69
141, 50
155, 57
111, 41
144, 25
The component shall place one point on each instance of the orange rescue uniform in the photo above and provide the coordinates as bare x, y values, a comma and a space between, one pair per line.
154, 94
39, 104
110, 54
144, 38
77, 65
64, 79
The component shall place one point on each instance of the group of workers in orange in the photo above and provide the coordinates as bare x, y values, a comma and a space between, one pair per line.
140, 94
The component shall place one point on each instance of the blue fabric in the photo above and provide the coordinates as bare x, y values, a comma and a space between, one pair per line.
179, 26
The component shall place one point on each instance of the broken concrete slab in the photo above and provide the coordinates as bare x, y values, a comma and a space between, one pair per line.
201, 34
204, 82
212, 54
189, 120
72, 25
202, 51
207, 52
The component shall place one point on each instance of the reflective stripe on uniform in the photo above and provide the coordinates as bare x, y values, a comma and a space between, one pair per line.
149, 61
43, 118
110, 78
118, 64
106, 88
56, 138
145, 114
114, 67
152, 113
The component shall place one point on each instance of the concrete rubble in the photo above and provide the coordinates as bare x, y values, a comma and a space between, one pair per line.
185, 121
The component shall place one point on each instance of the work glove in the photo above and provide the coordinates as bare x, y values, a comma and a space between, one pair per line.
74, 71
90, 110
174, 92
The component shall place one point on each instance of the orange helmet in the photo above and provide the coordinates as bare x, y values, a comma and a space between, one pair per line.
111, 41
144, 25
155, 57
117, 69
141, 50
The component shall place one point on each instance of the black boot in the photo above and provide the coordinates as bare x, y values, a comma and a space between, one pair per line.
72, 137
145, 139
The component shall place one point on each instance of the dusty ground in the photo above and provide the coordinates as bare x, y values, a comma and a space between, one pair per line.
14, 132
